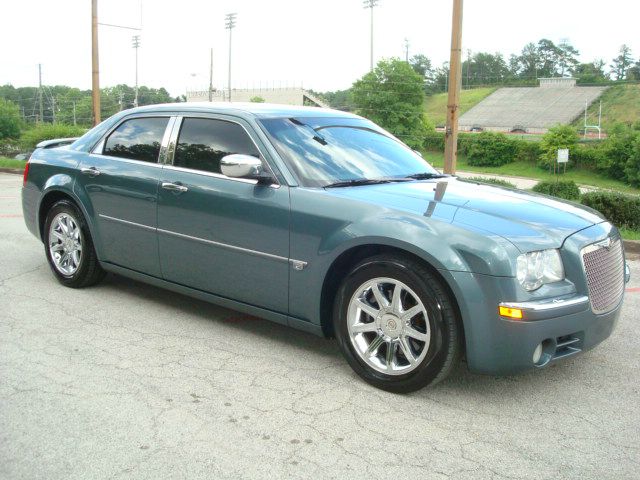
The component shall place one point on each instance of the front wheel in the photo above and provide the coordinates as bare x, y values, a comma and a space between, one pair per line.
69, 247
396, 324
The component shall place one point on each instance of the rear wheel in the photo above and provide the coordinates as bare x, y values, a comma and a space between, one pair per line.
396, 324
69, 247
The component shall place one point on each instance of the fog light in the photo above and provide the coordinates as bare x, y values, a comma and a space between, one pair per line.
537, 353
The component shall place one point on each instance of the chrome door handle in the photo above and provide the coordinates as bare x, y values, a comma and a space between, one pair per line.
174, 187
92, 172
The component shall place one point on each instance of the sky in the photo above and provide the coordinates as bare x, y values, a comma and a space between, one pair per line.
321, 44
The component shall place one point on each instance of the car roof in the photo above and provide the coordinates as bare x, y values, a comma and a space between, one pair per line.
262, 110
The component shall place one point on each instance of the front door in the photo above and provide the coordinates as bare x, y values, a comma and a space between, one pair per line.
229, 237
121, 180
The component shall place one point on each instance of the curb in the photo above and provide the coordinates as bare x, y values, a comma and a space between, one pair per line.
17, 171
632, 246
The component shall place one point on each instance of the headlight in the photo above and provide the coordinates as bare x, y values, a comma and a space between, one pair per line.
534, 269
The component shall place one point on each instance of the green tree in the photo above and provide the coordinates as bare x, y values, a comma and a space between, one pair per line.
621, 63
567, 58
392, 95
256, 99
421, 65
588, 73
560, 136
10, 121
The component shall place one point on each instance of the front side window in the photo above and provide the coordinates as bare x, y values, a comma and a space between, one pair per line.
203, 142
323, 151
137, 139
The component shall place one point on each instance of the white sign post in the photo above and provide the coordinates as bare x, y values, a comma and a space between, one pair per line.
563, 157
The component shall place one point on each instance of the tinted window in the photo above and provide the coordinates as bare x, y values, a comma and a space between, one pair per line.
322, 151
203, 142
137, 139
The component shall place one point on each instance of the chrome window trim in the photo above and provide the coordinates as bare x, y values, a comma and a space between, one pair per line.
173, 143
215, 175
165, 144
296, 264
99, 145
127, 222
129, 160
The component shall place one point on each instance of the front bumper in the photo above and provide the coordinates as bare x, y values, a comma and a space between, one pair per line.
562, 321
497, 345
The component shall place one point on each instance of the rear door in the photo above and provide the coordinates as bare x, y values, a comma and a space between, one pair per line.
222, 235
120, 179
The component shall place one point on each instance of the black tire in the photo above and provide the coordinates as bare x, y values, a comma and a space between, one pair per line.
445, 345
88, 270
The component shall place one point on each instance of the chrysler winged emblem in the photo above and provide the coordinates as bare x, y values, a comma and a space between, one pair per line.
606, 243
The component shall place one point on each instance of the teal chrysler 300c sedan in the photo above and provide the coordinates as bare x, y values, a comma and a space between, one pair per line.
323, 221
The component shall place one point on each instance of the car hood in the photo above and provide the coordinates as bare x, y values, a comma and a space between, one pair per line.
529, 221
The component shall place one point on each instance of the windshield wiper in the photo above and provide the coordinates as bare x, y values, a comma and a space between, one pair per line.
364, 181
427, 175
315, 135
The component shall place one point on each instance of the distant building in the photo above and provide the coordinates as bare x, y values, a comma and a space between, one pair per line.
531, 109
282, 96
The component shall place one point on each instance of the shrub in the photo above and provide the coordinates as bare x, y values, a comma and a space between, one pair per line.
560, 136
566, 189
632, 167
491, 149
10, 121
589, 157
256, 99
490, 180
434, 142
622, 210
49, 131
527, 151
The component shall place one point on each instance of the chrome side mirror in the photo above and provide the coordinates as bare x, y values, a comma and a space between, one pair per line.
241, 166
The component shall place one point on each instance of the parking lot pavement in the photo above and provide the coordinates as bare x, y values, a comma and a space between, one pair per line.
125, 380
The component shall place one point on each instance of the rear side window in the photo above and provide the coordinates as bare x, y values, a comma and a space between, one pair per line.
137, 139
203, 142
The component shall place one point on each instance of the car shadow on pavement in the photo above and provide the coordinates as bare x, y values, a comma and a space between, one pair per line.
461, 382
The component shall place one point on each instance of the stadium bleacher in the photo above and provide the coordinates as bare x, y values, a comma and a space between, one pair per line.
530, 109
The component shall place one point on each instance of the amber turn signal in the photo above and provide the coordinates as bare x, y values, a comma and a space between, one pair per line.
510, 312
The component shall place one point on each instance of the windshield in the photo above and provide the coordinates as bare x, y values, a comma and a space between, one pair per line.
325, 151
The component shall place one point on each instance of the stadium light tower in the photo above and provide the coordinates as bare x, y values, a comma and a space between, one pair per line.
135, 43
370, 4
230, 19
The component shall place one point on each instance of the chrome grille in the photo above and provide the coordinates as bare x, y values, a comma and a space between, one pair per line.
604, 267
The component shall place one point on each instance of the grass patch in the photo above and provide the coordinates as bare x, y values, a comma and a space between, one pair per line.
11, 163
628, 234
620, 103
435, 106
521, 169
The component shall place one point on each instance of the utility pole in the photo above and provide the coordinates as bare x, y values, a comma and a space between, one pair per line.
53, 109
211, 76
370, 4
406, 50
451, 133
230, 19
136, 46
74, 113
95, 68
40, 92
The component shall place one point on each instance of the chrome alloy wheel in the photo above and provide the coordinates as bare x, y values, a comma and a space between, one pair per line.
388, 326
65, 244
